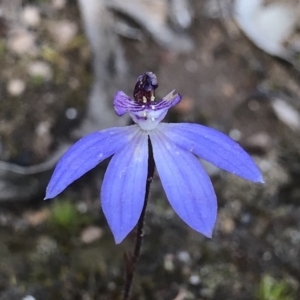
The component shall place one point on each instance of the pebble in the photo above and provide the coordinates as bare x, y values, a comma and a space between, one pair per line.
82, 207
71, 113
16, 87
59, 4
23, 42
286, 113
43, 128
235, 134
194, 279
91, 234
184, 256
29, 297
40, 69
35, 218
31, 16
226, 223
260, 140
63, 32
254, 105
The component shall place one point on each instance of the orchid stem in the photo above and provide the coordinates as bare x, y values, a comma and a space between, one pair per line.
131, 262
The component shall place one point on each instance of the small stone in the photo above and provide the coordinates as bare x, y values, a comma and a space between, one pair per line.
43, 128
71, 113
254, 105
28, 297
184, 256
40, 69
82, 207
260, 141
31, 16
16, 87
42, 139
228, 90
63, 32
35, 218
226, 223
286, 113
91, 234
235, 134
23, 42
194, 279
59, 4
74, 83
246, 218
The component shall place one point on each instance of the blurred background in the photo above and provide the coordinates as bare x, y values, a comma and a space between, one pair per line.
236, 63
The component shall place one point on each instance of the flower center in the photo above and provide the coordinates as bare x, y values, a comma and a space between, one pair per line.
145, 109
144, 90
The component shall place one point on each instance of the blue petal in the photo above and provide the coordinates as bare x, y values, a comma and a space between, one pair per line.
85, 154
123, 187
187, 186
215, 147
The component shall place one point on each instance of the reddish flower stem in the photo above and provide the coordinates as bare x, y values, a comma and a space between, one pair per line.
131, 261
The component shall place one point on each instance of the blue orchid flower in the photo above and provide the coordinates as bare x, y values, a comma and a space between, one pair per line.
175, 147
